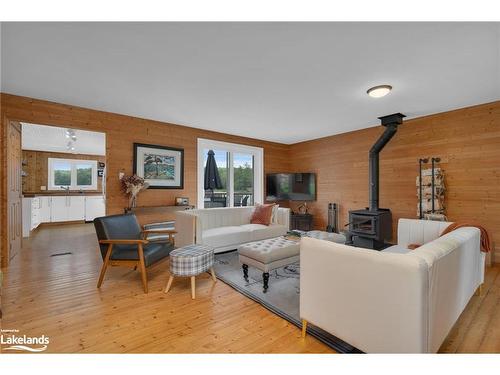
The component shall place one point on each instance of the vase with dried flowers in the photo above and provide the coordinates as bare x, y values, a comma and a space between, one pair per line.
132, 186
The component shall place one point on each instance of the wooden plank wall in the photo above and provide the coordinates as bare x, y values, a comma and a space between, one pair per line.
121, 132
37, 169
467, 140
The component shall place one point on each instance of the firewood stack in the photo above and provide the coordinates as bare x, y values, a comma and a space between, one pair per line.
438, 213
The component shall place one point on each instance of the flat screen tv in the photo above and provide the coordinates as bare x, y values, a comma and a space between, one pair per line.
291, 186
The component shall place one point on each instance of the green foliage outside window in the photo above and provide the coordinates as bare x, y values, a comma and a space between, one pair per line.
84, 176
62, 177
243, 178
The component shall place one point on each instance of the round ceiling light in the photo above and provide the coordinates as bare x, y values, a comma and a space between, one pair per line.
379, 91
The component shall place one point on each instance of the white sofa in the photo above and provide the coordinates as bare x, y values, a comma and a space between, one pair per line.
226, 228
393, 301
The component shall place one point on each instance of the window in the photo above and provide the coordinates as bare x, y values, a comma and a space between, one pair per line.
73, 174
240, 169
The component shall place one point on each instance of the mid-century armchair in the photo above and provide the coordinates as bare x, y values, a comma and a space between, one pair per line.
123, 242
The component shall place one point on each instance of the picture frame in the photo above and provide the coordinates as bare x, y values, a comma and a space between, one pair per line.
161, 166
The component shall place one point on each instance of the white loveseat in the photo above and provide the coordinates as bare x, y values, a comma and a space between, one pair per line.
392, 301
226, 228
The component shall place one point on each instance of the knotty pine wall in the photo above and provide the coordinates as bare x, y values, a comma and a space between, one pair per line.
121, 132
467, 140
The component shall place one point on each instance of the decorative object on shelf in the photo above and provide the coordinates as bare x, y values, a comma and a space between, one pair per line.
100, 172
162, 167
430, 190
181, 201
132, 186
101, 165
303, 209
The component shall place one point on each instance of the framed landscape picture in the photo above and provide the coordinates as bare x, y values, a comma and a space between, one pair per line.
162, 167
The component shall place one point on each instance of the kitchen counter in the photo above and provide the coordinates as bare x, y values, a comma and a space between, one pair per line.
60, 194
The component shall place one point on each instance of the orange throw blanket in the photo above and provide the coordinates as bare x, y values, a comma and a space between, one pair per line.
485, 238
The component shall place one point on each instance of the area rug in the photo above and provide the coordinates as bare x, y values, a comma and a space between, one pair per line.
282, 297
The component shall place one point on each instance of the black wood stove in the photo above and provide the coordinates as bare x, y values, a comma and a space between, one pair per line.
372, 227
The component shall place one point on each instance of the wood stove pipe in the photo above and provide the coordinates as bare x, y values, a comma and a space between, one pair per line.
391, 123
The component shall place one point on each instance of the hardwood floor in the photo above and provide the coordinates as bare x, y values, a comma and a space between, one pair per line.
57, 296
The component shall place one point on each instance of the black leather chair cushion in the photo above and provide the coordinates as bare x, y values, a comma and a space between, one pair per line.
126, 227
116, 227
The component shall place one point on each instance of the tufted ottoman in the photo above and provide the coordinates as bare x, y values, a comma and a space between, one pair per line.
191, 261
267, 255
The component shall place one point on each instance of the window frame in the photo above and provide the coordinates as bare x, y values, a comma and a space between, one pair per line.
231, 148
73, 163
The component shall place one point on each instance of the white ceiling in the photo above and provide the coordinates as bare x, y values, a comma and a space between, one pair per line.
284, 82
53, 139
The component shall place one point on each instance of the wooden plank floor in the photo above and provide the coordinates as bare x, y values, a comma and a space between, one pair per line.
57, 296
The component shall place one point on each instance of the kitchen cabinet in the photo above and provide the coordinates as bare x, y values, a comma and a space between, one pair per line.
30, 215
94, 207
35, 213
58, 209
76, 208
67, 208
26, 212
45, 209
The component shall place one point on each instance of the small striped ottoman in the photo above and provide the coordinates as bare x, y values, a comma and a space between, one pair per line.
191, 261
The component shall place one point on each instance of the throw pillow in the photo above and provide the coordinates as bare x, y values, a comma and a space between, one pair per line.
262, 214
274, 216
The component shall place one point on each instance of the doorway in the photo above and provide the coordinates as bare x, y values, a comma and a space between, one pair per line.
63, 176
53, 176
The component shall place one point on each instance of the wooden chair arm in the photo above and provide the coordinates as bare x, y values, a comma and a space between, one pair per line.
124, 242
159, 231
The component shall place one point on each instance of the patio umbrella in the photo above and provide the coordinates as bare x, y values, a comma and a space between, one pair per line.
212, 179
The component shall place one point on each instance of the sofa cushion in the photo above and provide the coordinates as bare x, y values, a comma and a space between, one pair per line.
224, 236
262, 214
260, 231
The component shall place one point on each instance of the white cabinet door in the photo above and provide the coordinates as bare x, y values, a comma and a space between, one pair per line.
35, 212
94, 207
26, 216
59, 209
45, 209
76, 208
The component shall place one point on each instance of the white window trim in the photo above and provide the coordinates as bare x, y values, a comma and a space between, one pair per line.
258, 165
73, 163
